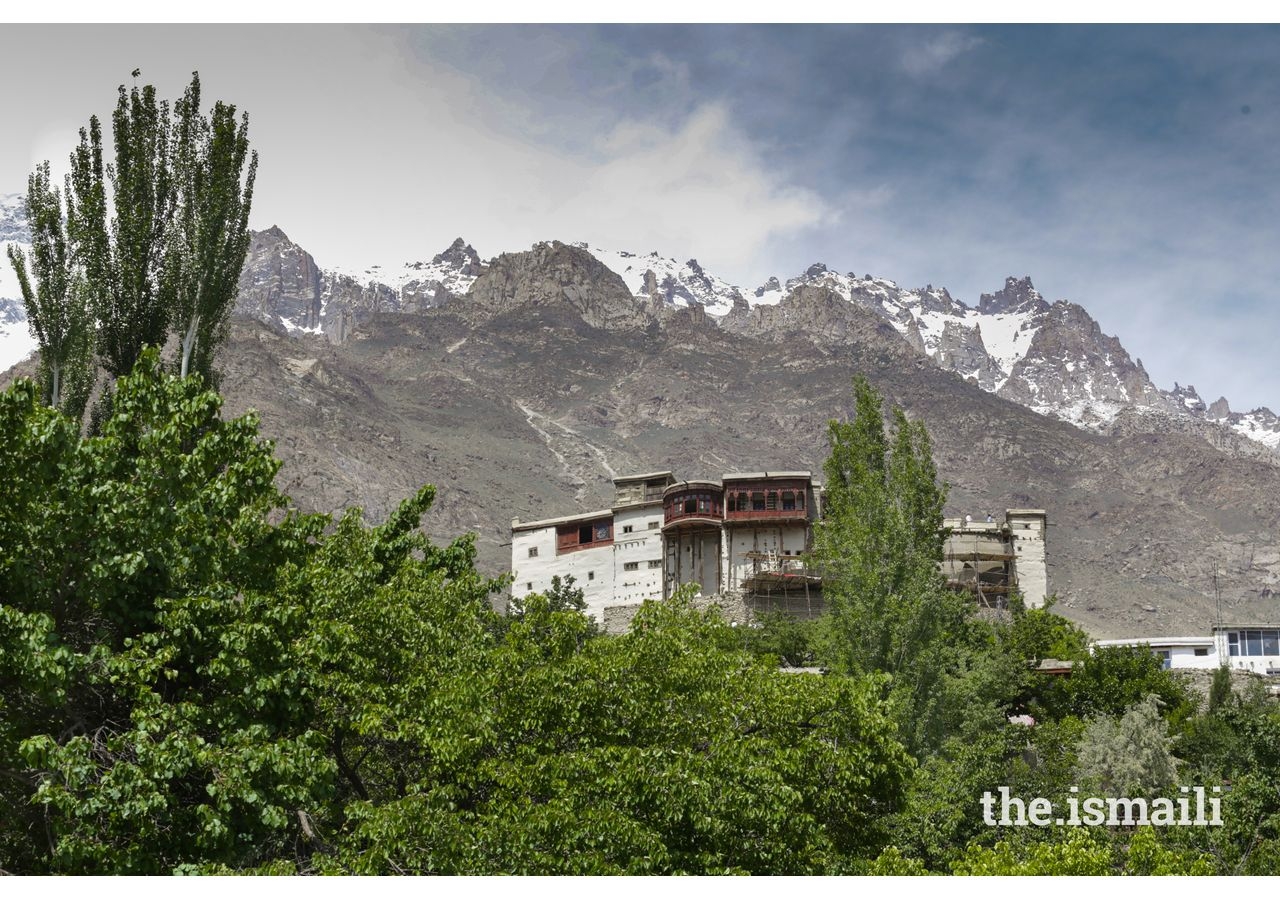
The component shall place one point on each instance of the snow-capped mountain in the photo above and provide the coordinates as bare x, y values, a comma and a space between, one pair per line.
16, 342
282, 284
1261, 424
1052, 358
675, 283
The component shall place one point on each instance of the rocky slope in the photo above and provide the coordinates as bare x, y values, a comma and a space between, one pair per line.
525, 397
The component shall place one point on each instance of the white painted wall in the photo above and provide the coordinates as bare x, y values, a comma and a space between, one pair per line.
641, 546
1027, 534
600, 572
1181, 652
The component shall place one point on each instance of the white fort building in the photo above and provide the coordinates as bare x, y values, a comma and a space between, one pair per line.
743, 540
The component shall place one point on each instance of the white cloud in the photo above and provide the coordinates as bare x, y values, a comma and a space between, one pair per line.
934, 54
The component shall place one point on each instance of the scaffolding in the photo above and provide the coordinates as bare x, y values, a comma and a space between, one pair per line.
781, 583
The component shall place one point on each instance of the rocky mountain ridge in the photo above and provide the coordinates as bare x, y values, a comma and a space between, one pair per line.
525, 397
1051, 358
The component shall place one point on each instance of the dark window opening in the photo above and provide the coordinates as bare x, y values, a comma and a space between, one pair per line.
788, 501
1202, 651
584, 534
757, 500
690, 505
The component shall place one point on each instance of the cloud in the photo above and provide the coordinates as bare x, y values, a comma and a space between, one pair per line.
936, 52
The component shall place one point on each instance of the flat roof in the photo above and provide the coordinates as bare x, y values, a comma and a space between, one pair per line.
644, 477
1247, 625
692, 483
1128, 642
517, 525
743, 476
1025, 512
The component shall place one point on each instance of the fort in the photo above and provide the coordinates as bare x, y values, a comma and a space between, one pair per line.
744, 540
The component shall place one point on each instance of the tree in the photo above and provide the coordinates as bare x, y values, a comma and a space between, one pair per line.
667, 749
210, 237
119, 235
153, 712
1129, 756
879, 547
159, 235
55, 299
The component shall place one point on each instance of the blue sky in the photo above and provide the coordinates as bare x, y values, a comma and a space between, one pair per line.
1132, 169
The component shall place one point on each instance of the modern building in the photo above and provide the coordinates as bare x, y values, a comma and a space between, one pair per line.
1175, 652
1244, 647
742, 539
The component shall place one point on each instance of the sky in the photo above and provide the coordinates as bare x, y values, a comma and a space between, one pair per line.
1132, 169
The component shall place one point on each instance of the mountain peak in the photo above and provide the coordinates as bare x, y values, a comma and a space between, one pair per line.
1017, 295
460, 255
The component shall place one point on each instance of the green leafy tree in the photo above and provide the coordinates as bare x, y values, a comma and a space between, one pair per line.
118, 219
879, 547
55, 299
1130, 756
152, 712
210, 235
667, 749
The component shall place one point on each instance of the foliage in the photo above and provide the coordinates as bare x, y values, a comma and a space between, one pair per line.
55, 299
149, 696
782, 638
195, 679
1079, 852
155, 237
662, 750
1129, 757
879, 546
118, 219
210, 234
1111, 680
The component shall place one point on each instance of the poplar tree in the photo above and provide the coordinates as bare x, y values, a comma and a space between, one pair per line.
210, 234
120, 234
55, 299
879, 546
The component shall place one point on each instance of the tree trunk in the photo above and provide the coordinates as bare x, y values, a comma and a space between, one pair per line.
189, 344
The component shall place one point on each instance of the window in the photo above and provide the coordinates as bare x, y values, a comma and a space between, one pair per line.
533, 551
528, 586
630, 567
757, 500
1165, 658
690, 505
704, 503
799, 499
1269, 643
771, 500
655, 564
626, 529
591, 576
584, 534
1202, 651
653, 525
1254, 643
788, 500
1233, 643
